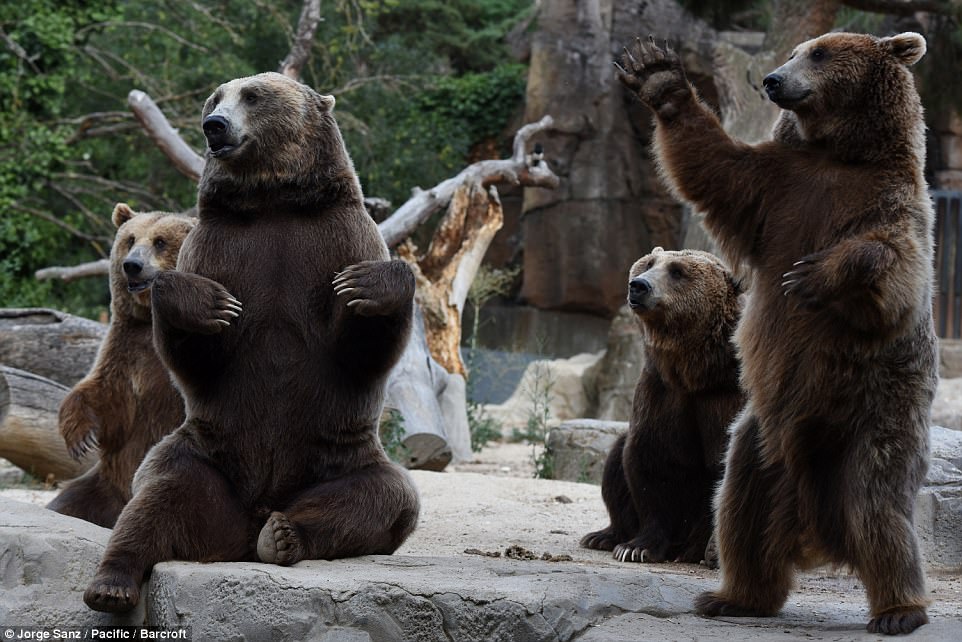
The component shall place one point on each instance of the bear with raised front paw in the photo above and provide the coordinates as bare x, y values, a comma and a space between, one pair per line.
838, 350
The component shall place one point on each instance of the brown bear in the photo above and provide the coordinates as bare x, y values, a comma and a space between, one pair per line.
127, 402
280, 326
660, 476
837, 345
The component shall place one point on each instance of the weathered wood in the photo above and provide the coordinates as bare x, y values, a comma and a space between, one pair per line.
155, 124
445, 272
74, 272
300, 51
29, 436
418, 388
49, 343
527, 169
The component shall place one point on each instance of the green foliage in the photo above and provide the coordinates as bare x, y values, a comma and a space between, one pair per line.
539, 393
419, 83
391, 433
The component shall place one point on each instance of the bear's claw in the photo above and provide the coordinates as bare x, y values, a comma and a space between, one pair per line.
115, 594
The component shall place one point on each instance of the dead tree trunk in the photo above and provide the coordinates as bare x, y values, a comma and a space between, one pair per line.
29, 434
48, 343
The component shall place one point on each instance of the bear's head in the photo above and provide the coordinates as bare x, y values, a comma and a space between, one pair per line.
271, 134
851, 93
146, 244
683, 293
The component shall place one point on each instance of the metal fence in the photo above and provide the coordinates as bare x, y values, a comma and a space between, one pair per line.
948, 263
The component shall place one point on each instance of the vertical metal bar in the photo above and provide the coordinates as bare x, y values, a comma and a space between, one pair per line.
954, 214
948, 243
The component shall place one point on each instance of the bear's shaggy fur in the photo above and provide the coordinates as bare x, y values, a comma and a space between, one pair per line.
660, 476
127, 402
280, 327
837, 344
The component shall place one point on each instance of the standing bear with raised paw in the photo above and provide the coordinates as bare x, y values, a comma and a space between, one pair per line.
280, 326
837, 343
127, 402
660, 475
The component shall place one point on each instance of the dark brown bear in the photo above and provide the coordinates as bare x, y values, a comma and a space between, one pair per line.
660, 476
127, 402
279, 457
837, 344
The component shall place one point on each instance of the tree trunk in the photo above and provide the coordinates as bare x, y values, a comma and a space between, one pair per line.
49, 343
29, 434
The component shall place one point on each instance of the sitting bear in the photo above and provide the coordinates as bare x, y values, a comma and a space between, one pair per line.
660, 476
280, 326
127, 402
838, 350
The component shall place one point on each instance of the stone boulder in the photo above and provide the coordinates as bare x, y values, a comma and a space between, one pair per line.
46, 561
947, 406
579, 448
562, 386
619, 369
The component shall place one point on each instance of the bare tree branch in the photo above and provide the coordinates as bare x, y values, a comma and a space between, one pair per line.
74, 272
903, 7
56, 221
185, 159
528, 170
149, 27
18, 51
292, 65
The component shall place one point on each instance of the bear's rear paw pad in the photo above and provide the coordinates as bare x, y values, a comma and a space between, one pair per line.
898, 621
603, 540
279, 542
713, 604
112, 593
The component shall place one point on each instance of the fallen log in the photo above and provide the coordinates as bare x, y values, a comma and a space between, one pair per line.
29, 436
49, 343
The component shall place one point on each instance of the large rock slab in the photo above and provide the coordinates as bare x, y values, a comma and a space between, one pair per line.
434, 589
46, 562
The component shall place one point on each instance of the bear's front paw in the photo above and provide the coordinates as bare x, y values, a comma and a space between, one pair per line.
194, 303
375, 288
656, 75
803, 283
79, 423
638, 550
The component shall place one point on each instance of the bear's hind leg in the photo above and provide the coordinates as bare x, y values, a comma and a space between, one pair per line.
883, 545
368, 512
757, 532
183, 509
617, 498
90, 497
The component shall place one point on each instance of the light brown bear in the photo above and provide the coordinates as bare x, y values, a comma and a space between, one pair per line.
837, 344
280, 326
127, 402
660, 476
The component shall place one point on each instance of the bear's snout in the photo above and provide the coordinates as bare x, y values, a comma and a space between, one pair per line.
773, 85
639, 290
217, 131
133, 267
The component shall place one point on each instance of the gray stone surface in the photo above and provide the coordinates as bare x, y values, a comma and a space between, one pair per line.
46, 561
578, 448
433, 589
618, 372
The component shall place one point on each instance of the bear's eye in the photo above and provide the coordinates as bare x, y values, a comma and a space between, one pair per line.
651, 264
250, 97
130, 242
160, 244
818, 54
676, 272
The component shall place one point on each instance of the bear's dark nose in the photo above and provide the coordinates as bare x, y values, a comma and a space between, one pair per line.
215, 126
772, 83
638, 289
133, 267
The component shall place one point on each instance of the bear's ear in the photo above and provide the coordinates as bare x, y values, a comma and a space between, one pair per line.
657, 250
326, 102
122, 214
908, 48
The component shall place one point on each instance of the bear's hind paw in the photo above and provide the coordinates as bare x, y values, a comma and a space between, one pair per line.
712, 604
602, 540
278, 542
